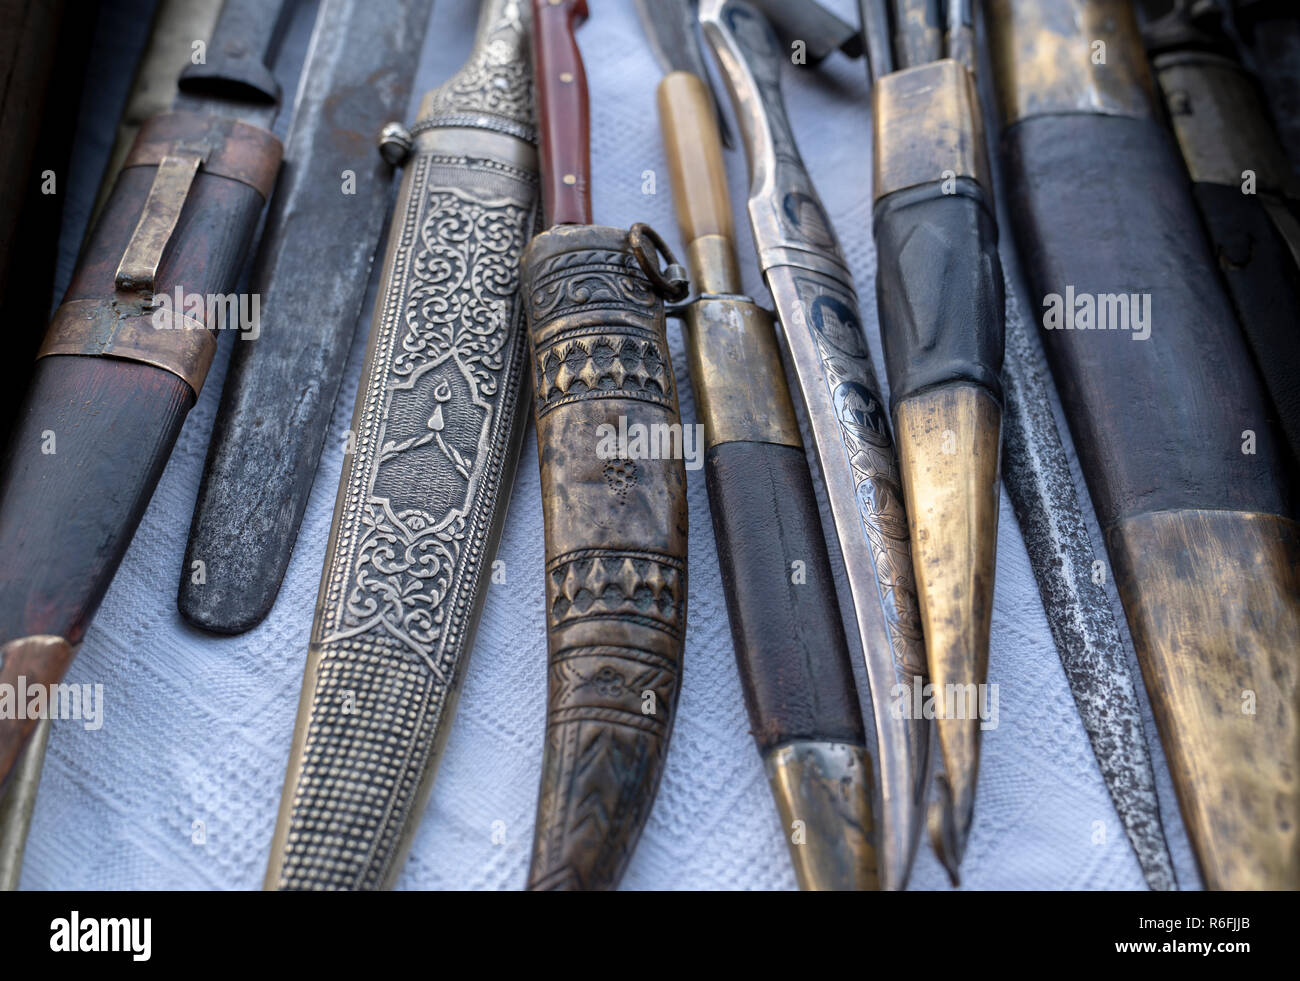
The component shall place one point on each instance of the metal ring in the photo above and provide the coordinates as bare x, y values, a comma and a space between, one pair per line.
673, 287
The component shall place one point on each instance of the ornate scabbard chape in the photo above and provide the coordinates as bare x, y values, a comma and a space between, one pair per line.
437, 430
615, 548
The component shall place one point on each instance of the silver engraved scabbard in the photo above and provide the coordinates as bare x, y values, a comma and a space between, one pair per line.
436, 435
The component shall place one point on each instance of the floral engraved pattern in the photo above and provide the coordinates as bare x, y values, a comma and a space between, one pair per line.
450, 343
497, 79
833, 319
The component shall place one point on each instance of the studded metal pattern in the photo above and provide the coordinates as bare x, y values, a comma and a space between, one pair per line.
436, 432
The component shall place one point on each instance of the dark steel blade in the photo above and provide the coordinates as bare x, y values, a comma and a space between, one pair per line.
1079, 613
231, 75
311, 274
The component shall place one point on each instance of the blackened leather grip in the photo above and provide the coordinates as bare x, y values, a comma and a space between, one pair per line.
795, 665
939, 288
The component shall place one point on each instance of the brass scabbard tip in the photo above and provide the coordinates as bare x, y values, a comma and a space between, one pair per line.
949, 823
823, 794
1213, 602
949, 455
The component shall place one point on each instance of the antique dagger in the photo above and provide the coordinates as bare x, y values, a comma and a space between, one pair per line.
615, 519
118, 370
940, 294
177, 25
817, 307
1245, 190
312, 267
785, 623
438, 426
1171, 427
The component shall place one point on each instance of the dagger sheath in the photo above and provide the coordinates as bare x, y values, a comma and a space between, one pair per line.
1247, 195
615, 520
176, 24
789, 639
821, 330
939, 291
1205, 555
311, 272
118, 370
438, 427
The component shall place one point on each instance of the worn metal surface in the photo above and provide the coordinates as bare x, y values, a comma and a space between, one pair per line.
949, 448
928, 128
438, 426
818, 309
164, 338
1213, 600
823, 794
17, 801
1038, 479
310, 275
1081, 57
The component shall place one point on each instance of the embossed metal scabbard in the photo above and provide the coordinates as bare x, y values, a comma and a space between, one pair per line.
615, 549
437, 429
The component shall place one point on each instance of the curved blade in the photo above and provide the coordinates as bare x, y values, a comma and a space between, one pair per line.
1078, 611
813, 291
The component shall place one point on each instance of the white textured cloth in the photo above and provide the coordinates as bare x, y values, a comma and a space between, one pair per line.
180, 787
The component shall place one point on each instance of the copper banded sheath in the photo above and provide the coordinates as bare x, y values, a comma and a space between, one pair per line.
615, 516
176, 24
940, 295
785, 623
1169, 420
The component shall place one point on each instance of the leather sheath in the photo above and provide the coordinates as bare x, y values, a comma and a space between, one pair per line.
616, 532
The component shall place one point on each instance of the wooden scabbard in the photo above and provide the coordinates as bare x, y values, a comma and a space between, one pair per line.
110, 393
616, 532
1173, 431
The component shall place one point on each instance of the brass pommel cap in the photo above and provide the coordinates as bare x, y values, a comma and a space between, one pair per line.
928, 128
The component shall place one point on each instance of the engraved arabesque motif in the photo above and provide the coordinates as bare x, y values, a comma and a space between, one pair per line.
434, 439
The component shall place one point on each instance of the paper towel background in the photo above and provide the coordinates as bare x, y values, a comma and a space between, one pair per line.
197, 727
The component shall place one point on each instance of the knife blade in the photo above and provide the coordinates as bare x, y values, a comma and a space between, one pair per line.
311, 271
818, 311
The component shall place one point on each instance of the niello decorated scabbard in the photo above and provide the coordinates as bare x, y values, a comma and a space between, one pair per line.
615, 548
436, 431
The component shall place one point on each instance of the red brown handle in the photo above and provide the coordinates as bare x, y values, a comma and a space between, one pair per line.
562, 112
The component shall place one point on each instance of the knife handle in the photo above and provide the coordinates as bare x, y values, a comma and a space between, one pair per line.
939, 286
563, 113
694, 148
